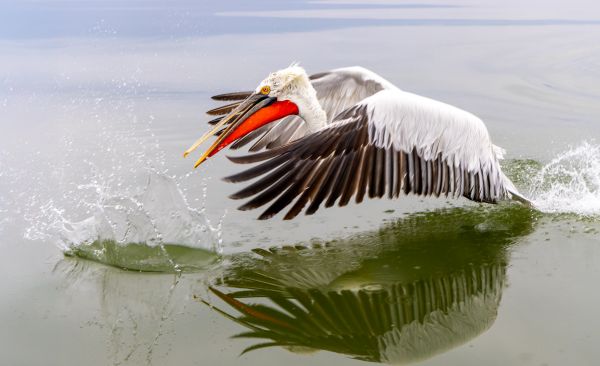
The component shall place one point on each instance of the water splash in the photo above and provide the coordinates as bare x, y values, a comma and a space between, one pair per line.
570, 183
154, 230
102, 189
157, 215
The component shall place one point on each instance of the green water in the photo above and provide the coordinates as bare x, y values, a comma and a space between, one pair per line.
141, 257
98, 100
382, 296
417, 287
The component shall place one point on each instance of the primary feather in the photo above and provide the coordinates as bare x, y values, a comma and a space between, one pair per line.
372, 140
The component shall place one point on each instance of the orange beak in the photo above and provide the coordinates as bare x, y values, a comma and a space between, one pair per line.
255, 112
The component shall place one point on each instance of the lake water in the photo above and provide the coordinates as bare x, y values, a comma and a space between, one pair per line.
98, 100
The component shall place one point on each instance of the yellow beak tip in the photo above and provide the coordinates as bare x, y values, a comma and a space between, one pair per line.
200, 161
185, 154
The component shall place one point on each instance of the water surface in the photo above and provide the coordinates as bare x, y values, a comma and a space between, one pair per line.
98, 100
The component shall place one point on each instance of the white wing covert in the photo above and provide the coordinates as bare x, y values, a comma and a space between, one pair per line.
391, 142
340, 89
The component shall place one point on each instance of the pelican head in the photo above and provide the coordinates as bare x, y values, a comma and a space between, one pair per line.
283, 93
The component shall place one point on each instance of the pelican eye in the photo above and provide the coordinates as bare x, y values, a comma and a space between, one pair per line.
265, 90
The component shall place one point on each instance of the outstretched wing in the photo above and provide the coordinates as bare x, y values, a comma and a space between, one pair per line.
390, 143
336, 90
340, 89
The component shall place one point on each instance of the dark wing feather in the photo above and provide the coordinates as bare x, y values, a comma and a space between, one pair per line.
223, 109
232, 96
274, 134
337, 90
340, 162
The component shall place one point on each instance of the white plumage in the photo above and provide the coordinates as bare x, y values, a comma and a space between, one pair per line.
356, 133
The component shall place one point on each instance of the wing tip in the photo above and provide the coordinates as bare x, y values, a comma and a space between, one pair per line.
229, 179
231, 96
235, 196
266, 216
246, 207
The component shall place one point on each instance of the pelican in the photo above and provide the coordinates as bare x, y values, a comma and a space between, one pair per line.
349, 133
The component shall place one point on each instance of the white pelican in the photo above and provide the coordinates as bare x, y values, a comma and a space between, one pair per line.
349, 132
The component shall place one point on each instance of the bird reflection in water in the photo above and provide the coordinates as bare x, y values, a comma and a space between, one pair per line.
415, 288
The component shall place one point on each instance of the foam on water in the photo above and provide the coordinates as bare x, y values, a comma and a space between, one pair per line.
570, 183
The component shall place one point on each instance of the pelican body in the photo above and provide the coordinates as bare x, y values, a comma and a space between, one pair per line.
348, 133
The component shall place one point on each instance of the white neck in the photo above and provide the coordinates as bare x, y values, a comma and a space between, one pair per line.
312, 113
304, 96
